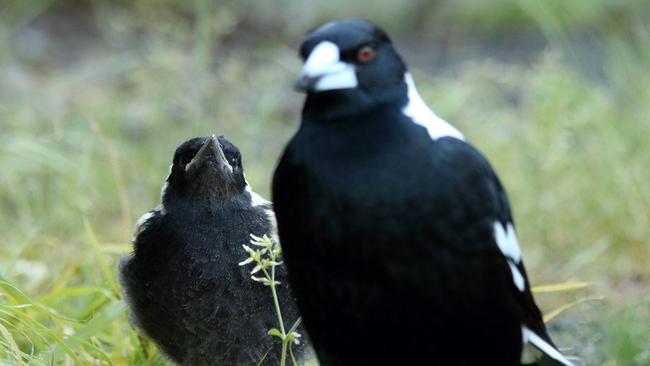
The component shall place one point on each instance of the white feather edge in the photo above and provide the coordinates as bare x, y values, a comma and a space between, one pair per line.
530, 338
258, 200
143, 221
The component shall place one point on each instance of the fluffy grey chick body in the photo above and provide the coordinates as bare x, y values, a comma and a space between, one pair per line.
183, 285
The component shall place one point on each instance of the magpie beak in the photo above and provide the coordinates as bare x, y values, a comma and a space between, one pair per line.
211, 154
324, 70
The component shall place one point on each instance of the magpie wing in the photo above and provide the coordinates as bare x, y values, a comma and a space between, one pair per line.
486, 188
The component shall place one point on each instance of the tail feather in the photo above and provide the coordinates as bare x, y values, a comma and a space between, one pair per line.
544, 354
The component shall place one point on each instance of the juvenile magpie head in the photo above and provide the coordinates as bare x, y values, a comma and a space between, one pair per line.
351, 62
205, 168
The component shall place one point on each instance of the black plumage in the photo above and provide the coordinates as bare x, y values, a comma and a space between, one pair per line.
397, 233
183, 284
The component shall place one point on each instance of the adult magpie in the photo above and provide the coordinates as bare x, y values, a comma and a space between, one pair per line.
397, 233
183, 284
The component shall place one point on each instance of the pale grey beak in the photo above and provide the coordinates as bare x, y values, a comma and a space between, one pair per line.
324, 70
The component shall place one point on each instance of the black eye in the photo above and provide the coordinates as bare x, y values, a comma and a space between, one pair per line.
233, 160
366, 54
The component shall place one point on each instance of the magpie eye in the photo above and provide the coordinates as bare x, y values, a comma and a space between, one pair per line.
366, 54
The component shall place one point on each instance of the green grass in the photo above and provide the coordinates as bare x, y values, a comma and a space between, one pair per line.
89, 121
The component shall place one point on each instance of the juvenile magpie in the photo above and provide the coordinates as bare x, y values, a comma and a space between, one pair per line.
397, 233
183, 284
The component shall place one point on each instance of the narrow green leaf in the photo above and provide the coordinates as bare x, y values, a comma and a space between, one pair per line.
14, 350
555, 312
108, 274
559, 287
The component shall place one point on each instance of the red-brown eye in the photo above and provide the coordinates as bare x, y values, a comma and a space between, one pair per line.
365, 54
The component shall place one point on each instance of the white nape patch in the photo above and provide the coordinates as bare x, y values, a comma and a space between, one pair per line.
143, 221
324, 63
509, 245
256, 199
530, 338
421, 114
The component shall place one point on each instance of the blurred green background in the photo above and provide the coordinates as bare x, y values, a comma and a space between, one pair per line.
95, 95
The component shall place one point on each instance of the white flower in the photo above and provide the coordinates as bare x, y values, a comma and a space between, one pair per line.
258, 279
293, 337
248, 249
255, 237
256, 269
246, 261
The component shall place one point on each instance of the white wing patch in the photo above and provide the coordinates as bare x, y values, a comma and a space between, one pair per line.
507, 241
509, 245
534, 343
421, 114
517, 278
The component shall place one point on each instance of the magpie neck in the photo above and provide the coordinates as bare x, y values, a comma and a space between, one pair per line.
202, 204
348, 105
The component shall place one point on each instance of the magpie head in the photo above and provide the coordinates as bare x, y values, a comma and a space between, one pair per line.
206, 168
351, 61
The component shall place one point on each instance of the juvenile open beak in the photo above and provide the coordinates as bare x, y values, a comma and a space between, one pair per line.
210, 153
324, 70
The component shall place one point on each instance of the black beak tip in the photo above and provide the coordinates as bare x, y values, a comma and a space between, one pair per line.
305, 83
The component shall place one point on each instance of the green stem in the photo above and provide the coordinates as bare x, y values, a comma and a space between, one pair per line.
278, 312
293, 358
283, 356
276, 301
